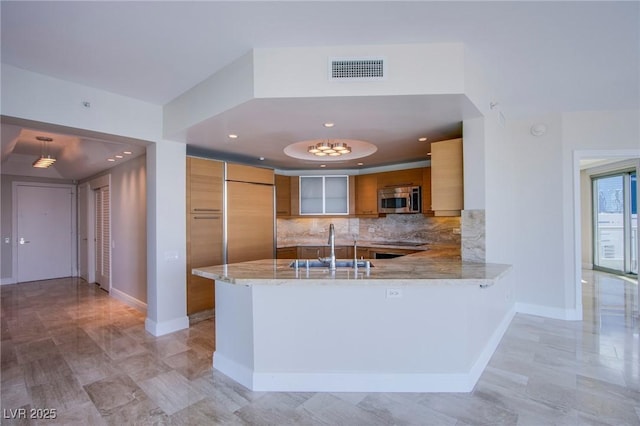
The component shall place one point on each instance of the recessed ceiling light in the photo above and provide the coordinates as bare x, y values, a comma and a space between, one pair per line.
233, 136
422, 139
328, 124
111, 159
360, 164
127, 153
119, 156
323, 165
261, 158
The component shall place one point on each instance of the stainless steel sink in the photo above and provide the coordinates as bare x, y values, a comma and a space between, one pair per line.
311, 263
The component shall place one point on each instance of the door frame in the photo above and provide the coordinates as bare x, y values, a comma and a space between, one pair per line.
14, 224
622, 170
94, 185
89, 209
615, 154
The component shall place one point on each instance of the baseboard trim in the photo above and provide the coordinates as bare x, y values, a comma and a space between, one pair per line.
166, 327
238, 372
129, 300
549, 312
7, 281
491, 346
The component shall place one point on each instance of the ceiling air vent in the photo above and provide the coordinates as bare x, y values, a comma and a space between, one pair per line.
357, 69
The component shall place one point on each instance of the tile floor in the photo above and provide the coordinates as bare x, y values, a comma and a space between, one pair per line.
67, 346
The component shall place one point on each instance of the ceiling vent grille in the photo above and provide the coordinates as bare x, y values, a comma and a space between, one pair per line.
357, 69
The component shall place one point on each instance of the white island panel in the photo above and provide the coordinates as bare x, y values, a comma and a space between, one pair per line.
328, 336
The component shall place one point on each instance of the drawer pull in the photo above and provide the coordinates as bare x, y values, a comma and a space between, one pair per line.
206, 217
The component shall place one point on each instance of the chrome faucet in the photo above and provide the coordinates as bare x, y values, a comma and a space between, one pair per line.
331, 259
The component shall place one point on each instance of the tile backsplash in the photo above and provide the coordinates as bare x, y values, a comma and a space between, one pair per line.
393, 227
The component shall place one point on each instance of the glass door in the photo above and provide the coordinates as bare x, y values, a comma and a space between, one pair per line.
615, 222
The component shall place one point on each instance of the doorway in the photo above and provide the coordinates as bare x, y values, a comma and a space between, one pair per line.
44, 229
615, 224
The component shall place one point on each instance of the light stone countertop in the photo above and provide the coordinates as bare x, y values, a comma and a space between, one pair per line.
403, 271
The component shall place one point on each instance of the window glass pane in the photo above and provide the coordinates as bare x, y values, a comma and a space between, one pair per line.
336, 192
310, 195
609, 226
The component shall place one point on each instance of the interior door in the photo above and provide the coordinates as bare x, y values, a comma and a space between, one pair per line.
44, 225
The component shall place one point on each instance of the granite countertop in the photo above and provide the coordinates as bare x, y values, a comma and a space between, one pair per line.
403, 271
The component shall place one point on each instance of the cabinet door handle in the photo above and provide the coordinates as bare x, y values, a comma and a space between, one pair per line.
206, 210
207, 217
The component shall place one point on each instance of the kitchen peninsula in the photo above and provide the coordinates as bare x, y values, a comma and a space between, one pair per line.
409, 324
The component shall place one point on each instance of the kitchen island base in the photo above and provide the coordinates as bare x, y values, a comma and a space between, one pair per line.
365, 336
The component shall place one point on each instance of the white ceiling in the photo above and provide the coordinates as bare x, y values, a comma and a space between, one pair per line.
540, 57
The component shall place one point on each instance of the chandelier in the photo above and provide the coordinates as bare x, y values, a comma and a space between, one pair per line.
331, 149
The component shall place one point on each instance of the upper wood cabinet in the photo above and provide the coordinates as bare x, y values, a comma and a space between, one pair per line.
251, 174
283, 195
447, 194
367, 195
204, 185
407, 177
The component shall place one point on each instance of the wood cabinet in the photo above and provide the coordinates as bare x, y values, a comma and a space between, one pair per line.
244, 173
426, 192
283, 195
310, 252
204, 185
287, 253
447, 195
250, 213
204, 228
407, 177
363, 253
313, 252
366, 195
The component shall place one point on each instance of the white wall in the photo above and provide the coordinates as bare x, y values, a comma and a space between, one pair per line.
31, 96
128, 230
436, 68
46, 99
546, 262
166, 238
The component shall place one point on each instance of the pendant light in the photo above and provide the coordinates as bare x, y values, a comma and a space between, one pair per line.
45, 160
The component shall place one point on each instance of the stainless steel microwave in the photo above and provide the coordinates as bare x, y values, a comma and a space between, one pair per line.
400, 199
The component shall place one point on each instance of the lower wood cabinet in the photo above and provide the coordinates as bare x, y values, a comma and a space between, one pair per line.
204, 245
313, 252
287, 253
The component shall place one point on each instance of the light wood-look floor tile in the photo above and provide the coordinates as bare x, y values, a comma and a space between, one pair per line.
66, 344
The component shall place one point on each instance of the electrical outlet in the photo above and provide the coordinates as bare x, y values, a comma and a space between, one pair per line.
7, 240
394, 293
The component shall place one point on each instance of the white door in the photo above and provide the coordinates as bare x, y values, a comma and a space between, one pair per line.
44, 225
103, 237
